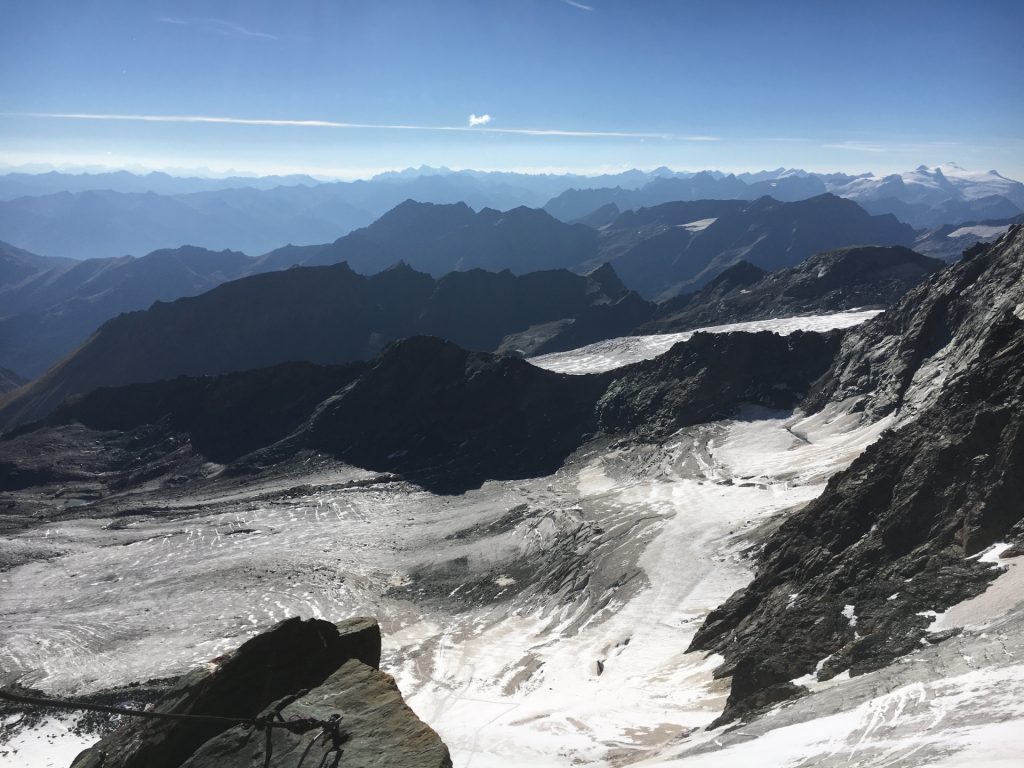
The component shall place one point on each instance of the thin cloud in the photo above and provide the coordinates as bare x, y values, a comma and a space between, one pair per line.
581, 6
856, 146
365, 126
217, 27
878, 147
475, 120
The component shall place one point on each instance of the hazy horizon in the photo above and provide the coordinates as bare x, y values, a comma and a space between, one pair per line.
369, 174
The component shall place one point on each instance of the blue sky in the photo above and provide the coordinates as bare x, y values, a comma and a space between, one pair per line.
599, 85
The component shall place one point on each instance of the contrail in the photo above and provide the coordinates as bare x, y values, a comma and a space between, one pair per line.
365, 126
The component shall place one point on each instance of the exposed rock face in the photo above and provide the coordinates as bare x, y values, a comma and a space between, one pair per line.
943, 329
426, 409
292, 656
844, 582
849, 278
595, 323
449, 418
710, 376
377, 728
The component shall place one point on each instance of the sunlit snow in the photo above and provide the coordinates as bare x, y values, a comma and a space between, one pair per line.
983, 231
615, 353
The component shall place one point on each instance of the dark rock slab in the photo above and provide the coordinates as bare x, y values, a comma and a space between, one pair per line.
377, 727
294, 655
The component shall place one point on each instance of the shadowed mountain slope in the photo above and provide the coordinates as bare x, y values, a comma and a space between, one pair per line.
663, 251
439, 415
52, 312
318, 314
443, 238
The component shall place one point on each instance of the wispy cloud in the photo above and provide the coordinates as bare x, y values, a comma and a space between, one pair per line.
856, 146
475, 120
581, 6
364, 126
217, 27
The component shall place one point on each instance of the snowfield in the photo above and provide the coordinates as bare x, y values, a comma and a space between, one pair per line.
615, 353
540, 622
698, 226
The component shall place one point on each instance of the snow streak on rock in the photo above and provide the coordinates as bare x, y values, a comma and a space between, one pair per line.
615, 353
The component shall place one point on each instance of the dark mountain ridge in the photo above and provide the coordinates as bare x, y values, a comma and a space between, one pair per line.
436, 414
54, 310
324, 315
18, 265
834, 281
438, 239
661, 252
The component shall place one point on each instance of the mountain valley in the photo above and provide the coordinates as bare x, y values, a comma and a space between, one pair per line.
655, 488
738, 524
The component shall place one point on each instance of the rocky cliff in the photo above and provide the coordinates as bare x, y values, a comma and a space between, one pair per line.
851, 581
301, 669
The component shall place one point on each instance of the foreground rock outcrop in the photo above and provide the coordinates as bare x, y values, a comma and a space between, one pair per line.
320, 670
852, 581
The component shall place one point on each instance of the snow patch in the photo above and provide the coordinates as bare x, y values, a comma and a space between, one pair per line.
53, 744
698, 226
983, 231
615, 353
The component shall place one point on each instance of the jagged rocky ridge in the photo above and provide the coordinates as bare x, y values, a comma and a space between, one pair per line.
304, 669
676, 247
847, 582
848, 278
51, 306
437, 414
324, 315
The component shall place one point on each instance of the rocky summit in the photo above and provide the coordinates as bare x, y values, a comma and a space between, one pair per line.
298, 670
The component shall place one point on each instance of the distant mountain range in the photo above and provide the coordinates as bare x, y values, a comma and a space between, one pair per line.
924, 197
49, 307
332, 315
102, 215
14, 185
55, 305
441, 238
18, 265
676, 247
